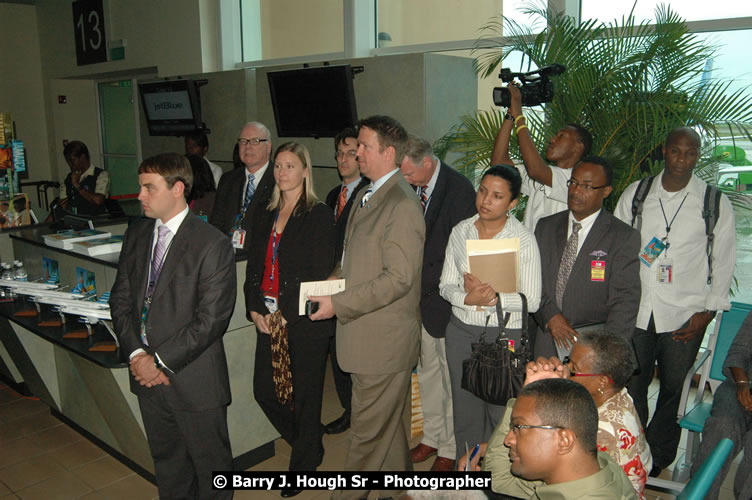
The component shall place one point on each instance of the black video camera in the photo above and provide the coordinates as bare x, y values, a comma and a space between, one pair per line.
536, 88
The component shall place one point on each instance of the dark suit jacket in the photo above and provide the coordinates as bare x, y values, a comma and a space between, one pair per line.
229, 199
191, 308
616, 299
306, 253
341, 224
452, 200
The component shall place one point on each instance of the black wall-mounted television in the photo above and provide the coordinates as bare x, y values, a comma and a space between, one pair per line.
171, 107
313, 102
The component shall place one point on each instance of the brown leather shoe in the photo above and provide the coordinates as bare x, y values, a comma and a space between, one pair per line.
421, 453
442, 464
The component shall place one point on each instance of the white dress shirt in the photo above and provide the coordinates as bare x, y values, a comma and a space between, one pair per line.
216, 171
587, 225
543, 200
452, 284
672, 304
257, 175
173, 225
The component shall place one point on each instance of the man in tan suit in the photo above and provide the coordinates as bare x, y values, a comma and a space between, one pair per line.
378, 315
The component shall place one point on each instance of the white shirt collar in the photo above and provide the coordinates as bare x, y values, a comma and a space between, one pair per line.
376, 185
432, 181
257, 175
174, 223
586, 223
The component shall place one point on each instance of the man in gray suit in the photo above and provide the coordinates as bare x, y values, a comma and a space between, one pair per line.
171, 302
590, 264
378, 315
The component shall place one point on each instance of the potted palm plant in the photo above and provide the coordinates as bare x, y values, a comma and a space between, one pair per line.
627, 82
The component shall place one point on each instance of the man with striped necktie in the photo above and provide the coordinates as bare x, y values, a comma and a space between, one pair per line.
447, 197
340, 200
241, 190
171, 303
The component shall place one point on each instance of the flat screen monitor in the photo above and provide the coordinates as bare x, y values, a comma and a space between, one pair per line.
171, 107
313, 102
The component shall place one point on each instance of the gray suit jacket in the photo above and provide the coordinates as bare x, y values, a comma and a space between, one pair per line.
378, 315
191, 308
614, 300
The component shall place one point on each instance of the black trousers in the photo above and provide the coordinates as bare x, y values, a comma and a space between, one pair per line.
186, 447
342, 380
674, 360
300, 427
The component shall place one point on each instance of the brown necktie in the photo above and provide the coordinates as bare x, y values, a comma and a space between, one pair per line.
341, 202
567, 261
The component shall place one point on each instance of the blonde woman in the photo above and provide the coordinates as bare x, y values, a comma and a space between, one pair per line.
292, 242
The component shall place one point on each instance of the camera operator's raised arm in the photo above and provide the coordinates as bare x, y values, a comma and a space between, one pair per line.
536, 167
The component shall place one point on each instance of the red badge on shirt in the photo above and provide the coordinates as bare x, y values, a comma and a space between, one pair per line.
598, 270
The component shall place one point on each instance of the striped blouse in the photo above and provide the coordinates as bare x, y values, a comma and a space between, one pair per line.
452, 286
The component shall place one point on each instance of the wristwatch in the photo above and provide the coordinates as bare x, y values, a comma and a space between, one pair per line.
508, 116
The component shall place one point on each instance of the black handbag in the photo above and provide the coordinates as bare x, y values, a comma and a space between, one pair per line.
493, 372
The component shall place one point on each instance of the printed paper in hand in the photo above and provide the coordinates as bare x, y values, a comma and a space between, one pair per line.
317, 289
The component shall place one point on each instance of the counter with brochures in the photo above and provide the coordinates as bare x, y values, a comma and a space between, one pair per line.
83, 376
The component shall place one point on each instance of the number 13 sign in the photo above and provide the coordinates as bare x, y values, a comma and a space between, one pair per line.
88, 32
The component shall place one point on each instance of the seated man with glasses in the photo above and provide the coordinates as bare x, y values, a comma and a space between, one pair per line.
602, 364
545, 446
589, 263
240, 191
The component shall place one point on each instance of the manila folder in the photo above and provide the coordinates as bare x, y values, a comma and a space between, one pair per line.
495, 262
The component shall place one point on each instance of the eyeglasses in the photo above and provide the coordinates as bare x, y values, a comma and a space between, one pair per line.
567, 360
586, 187
341, 154
516, 427
253, 142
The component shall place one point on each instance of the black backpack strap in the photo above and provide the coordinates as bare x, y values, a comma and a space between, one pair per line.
710, 212
643, 188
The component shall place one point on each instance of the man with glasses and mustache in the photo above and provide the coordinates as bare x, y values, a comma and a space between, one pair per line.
544, 184
240, 191
590, 264
545, 447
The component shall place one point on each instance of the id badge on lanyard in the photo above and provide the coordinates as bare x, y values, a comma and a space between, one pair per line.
238, 238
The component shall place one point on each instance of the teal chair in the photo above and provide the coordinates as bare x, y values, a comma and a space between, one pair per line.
698, 486
693, 414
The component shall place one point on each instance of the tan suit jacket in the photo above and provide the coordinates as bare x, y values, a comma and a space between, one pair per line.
378, 315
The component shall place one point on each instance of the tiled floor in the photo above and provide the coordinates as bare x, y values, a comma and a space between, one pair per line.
42, 458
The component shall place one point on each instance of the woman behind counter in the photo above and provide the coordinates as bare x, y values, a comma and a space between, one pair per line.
474, 419
203, 191
292, 241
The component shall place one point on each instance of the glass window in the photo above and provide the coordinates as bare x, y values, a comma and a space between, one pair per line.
690, 10
273, 29
402, 22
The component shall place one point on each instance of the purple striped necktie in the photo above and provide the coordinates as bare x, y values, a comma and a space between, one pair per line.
157, 260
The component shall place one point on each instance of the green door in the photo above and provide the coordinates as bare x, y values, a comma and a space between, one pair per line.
117, 110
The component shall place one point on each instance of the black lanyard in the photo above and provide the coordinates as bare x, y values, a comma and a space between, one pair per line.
668, 225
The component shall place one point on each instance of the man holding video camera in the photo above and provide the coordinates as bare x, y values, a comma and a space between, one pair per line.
545, 185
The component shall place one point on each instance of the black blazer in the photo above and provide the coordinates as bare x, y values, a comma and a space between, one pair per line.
615, 300
452, 200
191, 308
306, 253
229, 200
341, 224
